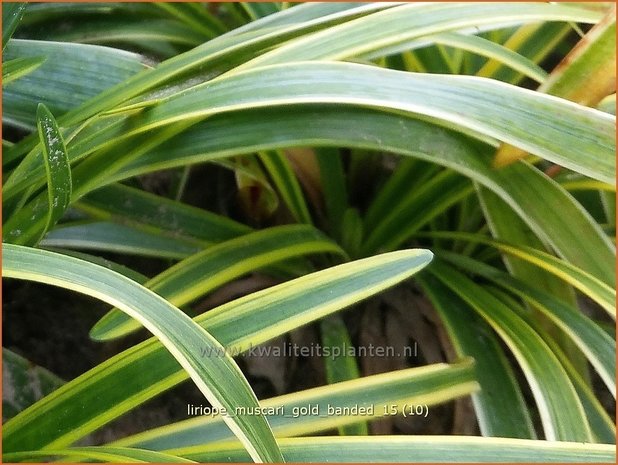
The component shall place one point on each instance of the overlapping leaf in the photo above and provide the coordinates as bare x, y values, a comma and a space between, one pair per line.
406, 449
60, 419
205, 271
428, 385
219, 378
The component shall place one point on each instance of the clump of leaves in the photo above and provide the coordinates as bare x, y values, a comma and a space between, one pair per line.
338, 144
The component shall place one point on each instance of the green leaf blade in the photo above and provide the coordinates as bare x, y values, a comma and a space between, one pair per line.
219, 378
97, 453
551, 387
560, 131
563, 225
499, 405
239, 325
56, 164
599, 347
207, 270
419, 449
12, 13
427, 385
59, 182
14, 69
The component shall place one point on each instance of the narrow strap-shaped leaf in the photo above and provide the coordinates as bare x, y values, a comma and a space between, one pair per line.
427, 386
594, 288
409, 174
232, 48
156, 34
118, 238
305, 13
12, 13
587, 72
409, 21
314, 296
504, 224
598, 346
343, 366
198, 18
560, 131
24, 383
40, 14
120, 203
416, 208
56, 164
32, 214
534, 40
572, 182
352, 231
128, 272
561, 412
499, 406
61, 418
97, 453
59, 183
470, 40
282, 175
228, 44
14, 69
205, 271
259, 10
559, 220
219, 378
602, 426
520, 185
418, 449
586, 75
493, 50
71, 74
334, 190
